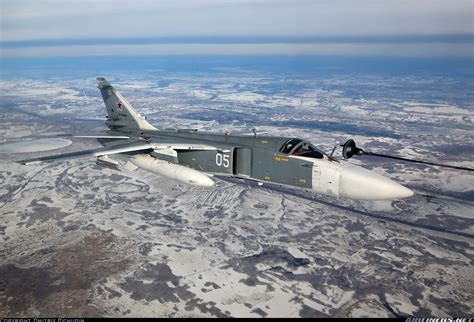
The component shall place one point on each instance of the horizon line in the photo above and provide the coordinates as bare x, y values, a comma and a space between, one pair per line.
355, 39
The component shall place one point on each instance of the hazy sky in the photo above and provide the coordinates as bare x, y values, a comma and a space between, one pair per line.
83, 19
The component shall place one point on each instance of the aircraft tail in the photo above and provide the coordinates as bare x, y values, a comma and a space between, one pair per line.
121, 112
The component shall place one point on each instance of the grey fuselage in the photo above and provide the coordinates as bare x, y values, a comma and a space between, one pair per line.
249, 157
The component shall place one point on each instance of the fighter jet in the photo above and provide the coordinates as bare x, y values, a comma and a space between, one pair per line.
195, 157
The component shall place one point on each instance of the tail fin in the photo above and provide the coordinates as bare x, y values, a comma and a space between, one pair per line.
121, 113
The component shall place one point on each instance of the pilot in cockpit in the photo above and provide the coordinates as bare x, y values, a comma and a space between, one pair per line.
298, 147
307, 150
302, 149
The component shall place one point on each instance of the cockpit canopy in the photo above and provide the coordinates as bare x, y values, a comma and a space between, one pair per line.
302, 148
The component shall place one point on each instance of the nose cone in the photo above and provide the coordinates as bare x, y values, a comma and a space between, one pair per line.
361, 184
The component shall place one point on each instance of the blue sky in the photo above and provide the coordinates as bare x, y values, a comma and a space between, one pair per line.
411, 28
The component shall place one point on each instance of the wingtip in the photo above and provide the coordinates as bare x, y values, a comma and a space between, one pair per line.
28, 161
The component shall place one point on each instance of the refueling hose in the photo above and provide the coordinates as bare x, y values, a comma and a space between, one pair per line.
349, 149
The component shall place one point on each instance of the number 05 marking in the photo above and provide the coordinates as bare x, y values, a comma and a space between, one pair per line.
222, 160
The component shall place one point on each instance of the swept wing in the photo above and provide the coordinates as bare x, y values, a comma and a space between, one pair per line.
118, 148
127, 146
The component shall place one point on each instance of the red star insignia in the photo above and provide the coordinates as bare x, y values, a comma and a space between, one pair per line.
119, 104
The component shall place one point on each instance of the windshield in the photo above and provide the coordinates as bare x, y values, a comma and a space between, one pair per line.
301, 148
306, 149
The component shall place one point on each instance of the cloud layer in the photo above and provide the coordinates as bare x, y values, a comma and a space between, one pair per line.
56, 19
91, 25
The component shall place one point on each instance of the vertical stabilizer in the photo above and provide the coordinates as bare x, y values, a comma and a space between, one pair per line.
121, 112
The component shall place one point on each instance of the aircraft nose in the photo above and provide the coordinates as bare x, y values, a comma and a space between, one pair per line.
361, 184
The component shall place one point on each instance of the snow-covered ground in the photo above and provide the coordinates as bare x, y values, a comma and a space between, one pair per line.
80, 240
